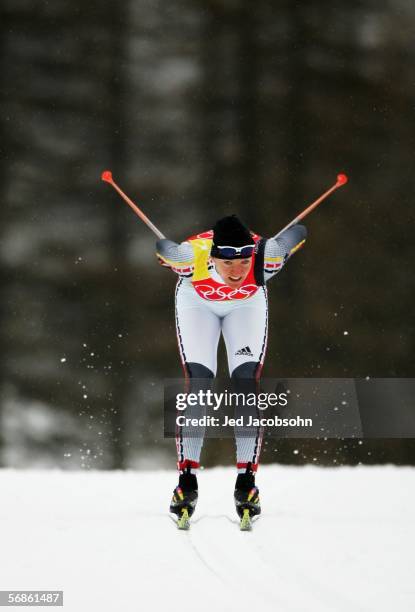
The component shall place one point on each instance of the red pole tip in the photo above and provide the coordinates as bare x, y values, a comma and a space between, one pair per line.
106, 176
342, 179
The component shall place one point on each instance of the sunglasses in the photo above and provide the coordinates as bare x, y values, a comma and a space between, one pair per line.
231, 251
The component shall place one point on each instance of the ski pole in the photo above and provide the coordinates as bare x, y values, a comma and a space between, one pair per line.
106, 176
341, 180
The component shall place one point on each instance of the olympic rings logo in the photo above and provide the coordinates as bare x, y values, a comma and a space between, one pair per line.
222, 293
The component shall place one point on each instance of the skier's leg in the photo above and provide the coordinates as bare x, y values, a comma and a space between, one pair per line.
198, 332
248, 438
245, 332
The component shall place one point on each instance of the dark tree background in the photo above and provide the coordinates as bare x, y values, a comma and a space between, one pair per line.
200, 109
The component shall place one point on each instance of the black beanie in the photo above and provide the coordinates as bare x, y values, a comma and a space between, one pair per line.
230, 231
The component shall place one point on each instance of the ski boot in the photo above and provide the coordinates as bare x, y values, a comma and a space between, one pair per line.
184, 499
246, 497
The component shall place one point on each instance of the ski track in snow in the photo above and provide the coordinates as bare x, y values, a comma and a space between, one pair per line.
329, 540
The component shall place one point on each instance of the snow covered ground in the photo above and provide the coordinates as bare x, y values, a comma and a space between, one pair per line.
328, 540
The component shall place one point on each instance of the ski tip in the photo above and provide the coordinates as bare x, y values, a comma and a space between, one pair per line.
184, 521
106, 176
246, 522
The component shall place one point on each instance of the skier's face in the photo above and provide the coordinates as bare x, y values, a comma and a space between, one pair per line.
233, 271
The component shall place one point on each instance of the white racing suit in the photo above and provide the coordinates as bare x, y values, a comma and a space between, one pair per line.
206, 308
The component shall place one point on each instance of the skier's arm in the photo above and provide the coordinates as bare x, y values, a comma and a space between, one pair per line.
177, 257
279, 250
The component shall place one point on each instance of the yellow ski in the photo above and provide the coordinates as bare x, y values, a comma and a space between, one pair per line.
184, 520
246, 523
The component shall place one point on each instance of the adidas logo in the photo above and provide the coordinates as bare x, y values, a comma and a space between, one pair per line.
244, 351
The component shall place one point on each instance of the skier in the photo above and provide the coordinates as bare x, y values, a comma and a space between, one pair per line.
222, 289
